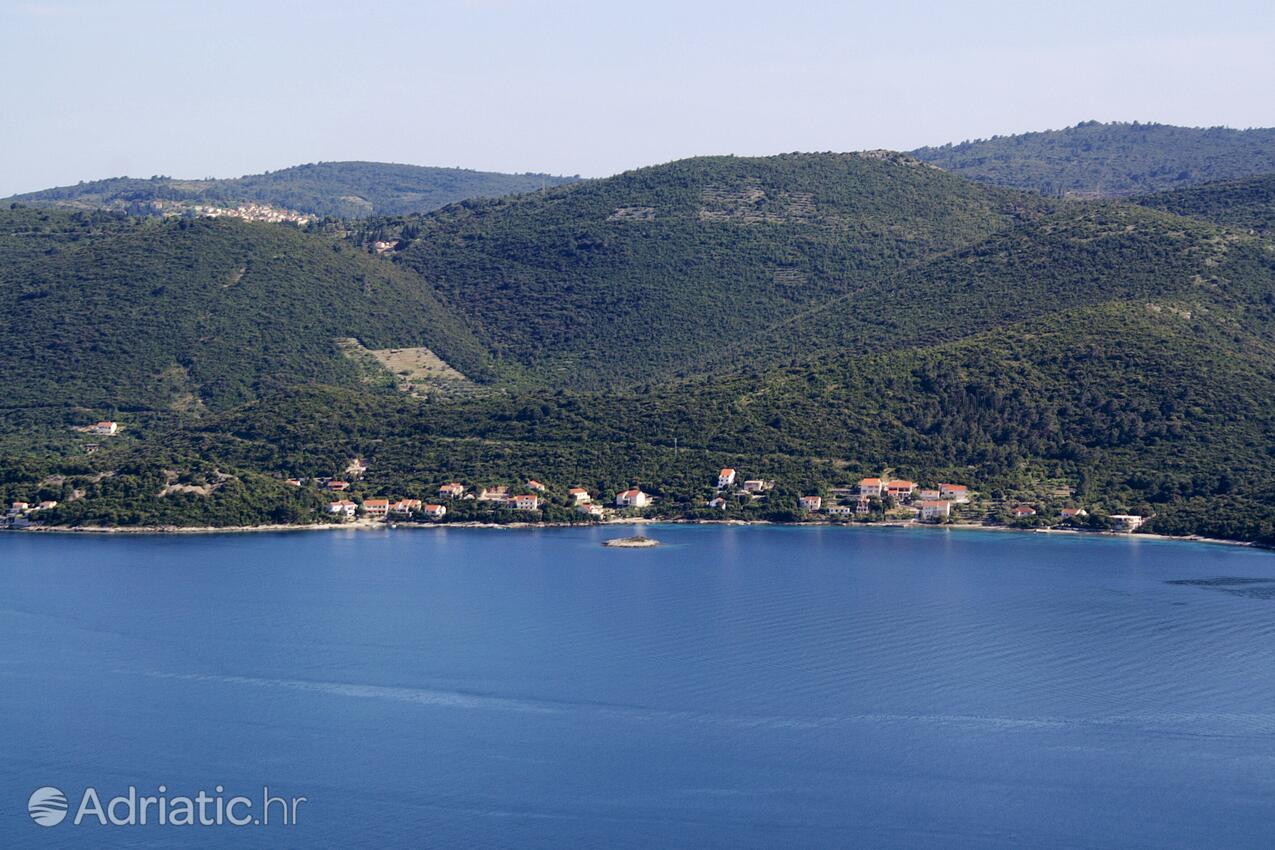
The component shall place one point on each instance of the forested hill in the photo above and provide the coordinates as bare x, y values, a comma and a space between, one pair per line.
1247, 203
109, 313
804, 318
648, 273
1132, 397
1094, 159
340, 189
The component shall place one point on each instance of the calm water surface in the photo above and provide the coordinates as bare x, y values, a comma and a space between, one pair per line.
739, 687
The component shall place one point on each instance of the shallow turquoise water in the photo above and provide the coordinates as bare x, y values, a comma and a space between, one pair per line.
738, 687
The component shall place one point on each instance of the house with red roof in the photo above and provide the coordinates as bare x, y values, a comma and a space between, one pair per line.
900, 489
632, 498
871, 487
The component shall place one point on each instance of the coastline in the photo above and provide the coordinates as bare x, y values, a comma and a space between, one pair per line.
375, 525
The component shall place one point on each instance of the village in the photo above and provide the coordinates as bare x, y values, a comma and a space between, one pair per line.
727, 497
871, 499
248, 211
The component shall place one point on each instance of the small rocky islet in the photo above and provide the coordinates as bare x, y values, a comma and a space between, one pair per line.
636, 542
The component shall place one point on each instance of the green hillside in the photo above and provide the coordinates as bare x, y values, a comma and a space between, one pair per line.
339, 189
634, 330
108, 313
1248, 203
648, 273
1082, 255
1139, 406
1095, 159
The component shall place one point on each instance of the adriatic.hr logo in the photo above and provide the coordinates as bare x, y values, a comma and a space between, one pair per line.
48, 806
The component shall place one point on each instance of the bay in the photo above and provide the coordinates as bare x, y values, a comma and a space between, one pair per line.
735, 687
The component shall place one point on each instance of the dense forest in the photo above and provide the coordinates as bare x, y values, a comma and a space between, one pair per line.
1094, 159
110, 314
654, 271
1247, 203
806, 319
338, 189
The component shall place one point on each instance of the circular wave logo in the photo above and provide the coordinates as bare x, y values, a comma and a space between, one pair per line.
47, 806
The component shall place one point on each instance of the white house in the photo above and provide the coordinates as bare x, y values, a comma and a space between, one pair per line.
871, 487
840, 510
105, 429
935, 510
954, 492
454, 490
725, 478
1127, 522
434, 511
579, 496
632, 498
591, 509
719, 503
405, 506
376, 507
811, 503
757, 485
528, 502
344, 507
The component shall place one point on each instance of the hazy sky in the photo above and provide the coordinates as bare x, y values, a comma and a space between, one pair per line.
98, 88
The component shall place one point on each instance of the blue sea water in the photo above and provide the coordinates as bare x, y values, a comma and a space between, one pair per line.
736, 687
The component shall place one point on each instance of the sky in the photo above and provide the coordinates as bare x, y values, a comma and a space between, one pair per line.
192, 88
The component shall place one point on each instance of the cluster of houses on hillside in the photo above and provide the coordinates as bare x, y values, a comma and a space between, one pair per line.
20, 514
897, 498
498, 497
250, 212
728, 484
930, 504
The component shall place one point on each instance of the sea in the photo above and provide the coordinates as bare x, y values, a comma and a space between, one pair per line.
734, 687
